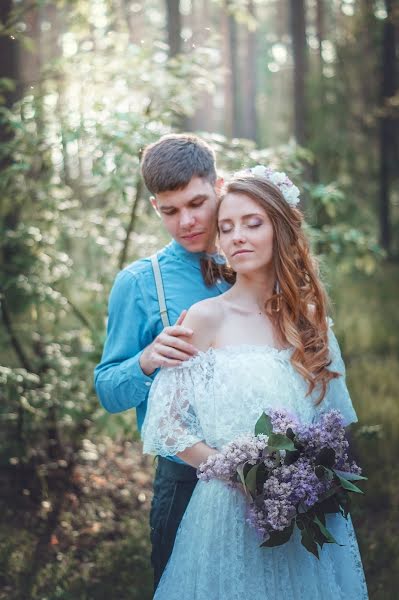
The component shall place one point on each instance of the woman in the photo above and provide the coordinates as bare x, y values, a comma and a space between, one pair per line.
265, 343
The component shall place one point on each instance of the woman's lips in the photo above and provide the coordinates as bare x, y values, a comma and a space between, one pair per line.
241, 252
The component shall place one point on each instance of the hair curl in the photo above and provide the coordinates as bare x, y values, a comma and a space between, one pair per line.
299, 311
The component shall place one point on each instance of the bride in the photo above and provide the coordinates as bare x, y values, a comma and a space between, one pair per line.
265, 343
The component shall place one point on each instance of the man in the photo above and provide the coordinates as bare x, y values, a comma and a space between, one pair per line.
179, 170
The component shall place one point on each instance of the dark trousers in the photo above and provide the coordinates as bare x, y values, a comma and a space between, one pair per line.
174, 484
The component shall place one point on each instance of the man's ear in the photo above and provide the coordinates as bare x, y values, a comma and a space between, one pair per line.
154, 205
219, 186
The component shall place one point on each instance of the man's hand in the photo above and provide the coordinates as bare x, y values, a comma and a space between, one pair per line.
168, 349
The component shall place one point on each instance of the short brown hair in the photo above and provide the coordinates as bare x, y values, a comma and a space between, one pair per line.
171, 162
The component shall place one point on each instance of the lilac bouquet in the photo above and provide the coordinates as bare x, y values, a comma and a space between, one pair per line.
291, 474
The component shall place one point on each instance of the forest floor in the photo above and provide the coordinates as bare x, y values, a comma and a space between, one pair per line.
79, 533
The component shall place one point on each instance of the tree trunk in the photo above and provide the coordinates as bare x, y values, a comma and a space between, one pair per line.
320, 38
299, 46
173, 19
388, 125
201, 23
249, 96
228, 100
9, 60
231, 90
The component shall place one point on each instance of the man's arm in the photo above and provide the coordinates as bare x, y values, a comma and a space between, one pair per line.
131, 355
119, 380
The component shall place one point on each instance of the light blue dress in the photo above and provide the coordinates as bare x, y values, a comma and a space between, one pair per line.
217, 396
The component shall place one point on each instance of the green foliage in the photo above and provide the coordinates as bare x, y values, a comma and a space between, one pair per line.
70, 185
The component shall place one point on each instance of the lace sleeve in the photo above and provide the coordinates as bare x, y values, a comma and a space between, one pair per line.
337, 395
171, 424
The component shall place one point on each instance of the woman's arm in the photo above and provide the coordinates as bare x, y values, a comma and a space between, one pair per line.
197, 454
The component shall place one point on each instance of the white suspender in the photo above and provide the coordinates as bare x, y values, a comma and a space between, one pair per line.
160, 291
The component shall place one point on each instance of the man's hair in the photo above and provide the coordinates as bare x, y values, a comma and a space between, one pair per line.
171, 162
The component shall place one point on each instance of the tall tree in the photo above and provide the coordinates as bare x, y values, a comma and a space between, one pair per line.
9, 56
320, 37
249, 129
231, 90
173, 18
299, 52
201, 18
174, 23
388, 124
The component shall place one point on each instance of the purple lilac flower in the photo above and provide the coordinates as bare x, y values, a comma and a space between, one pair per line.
223, 465
285, 487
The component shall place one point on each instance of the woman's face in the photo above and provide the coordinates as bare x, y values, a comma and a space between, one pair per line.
245, 233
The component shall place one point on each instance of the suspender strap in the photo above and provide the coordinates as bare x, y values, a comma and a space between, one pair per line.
160, 291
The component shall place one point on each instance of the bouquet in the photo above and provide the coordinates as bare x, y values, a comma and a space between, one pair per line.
292, 474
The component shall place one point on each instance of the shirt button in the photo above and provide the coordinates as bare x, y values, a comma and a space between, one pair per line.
148, 383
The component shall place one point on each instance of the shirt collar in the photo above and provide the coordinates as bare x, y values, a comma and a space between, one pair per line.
193, 258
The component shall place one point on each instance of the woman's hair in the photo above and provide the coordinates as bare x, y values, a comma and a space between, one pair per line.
298, 306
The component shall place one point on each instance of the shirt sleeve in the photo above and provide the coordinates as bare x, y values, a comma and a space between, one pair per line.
119, 380
337, 395
171, 424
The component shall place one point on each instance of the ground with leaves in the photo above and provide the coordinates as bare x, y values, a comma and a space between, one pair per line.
84, 535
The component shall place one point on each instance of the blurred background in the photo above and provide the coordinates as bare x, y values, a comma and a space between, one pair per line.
307, 86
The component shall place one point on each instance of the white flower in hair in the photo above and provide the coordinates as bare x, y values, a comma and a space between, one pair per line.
289, 191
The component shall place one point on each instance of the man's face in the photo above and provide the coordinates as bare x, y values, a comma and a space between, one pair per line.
189, 214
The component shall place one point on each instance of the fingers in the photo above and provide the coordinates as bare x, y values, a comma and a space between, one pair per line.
177, 330
162, 361
174, 347
181, 318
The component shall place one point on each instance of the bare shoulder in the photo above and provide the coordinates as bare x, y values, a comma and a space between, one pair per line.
204, 318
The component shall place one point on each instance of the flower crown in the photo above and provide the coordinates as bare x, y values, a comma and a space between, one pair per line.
289, 191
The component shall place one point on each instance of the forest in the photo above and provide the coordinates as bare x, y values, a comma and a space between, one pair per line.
310, 86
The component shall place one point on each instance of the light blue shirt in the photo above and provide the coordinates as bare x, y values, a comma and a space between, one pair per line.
134, 321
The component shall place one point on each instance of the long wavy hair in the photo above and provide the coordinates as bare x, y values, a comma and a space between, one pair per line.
298, 306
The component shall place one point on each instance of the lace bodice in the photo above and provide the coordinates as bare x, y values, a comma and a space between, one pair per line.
219, 394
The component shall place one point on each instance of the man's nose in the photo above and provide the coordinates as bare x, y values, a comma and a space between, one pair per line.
186, 219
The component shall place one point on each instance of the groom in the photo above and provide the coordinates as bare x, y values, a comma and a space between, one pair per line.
143, 334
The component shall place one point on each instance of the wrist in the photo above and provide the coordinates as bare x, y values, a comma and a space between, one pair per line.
146, 364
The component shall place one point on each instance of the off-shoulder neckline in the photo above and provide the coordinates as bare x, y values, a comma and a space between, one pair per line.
239, 349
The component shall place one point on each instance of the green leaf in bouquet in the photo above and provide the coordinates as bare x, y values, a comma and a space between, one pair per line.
277, 538
344, 502
350, 476
264, 425
326, 457
250, 479
347, 485
308, 541
323, 472
240, 472
329, 505
279, 441
329, 538
291, 456
290, 434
